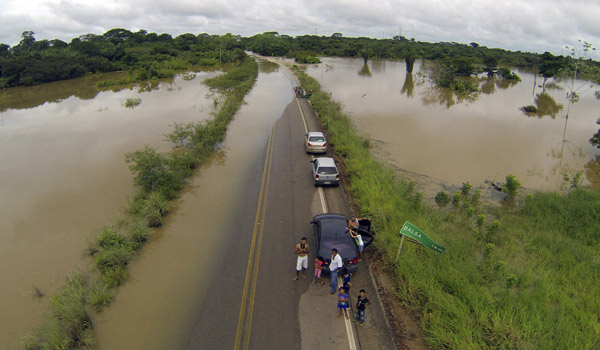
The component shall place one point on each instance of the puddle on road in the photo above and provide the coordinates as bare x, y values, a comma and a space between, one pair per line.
156, 308
62, 148
432, 133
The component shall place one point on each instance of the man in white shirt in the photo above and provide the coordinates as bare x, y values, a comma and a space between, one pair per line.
336, 264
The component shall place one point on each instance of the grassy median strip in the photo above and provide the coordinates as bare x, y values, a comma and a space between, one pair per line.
159, 178
524, 275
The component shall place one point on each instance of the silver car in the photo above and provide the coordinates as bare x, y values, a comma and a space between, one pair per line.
315, 142
325, 172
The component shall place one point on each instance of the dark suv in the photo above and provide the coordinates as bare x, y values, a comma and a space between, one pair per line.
330, 232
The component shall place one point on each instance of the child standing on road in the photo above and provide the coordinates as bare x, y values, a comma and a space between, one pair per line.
346, 284
343, 303
361, 305
318, 269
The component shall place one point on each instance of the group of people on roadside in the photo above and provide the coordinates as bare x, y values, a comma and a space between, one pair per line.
336, 266
300, 92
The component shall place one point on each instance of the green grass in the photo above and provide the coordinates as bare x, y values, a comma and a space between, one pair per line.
158, 179
522, 277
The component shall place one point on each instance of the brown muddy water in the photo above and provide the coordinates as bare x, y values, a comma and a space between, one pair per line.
63, 176
156, 308
443, 140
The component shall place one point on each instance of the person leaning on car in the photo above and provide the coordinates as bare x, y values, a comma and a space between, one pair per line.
336, 264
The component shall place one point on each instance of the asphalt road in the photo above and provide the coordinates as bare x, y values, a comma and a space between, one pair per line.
253, 302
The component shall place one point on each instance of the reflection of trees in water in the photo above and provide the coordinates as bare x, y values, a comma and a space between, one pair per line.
33, 96
544, 105
592, 172
365, 71
409, 85
379, 66
447, 97
268, 67
506, 83
489, 84
82, 88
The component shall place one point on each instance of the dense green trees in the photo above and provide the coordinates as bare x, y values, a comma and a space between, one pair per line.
33, 62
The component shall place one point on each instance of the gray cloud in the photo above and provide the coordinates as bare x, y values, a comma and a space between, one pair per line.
536, 25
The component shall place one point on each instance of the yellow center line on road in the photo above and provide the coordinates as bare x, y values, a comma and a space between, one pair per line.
247, 305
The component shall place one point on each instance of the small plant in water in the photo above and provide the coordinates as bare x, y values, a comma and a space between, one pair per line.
132, 102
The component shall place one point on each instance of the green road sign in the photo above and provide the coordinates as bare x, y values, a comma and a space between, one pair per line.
412, 231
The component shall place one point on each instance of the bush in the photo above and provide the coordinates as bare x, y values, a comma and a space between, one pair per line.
442, 199
156, 206
110, 238
511, 188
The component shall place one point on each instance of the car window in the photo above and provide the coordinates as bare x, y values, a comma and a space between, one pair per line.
316, 139
315, 165
326, 170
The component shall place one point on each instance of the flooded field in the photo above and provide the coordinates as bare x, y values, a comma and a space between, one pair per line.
63, 173
441, 139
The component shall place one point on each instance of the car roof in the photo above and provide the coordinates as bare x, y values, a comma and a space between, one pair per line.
325, 161
334, 235
315, 133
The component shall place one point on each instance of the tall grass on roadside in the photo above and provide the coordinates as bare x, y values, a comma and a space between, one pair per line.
159, 178
522, 277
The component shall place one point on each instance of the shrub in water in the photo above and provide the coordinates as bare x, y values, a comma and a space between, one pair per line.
156, 206
109, 238
114, 276
101, 297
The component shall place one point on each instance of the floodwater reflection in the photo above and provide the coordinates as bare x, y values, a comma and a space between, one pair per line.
451, 138
408, 87
267, 67
447, 97
365, 71
545, 105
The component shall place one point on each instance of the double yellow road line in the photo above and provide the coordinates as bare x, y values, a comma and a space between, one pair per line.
242, 335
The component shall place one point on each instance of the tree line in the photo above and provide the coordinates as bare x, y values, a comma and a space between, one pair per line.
148, 55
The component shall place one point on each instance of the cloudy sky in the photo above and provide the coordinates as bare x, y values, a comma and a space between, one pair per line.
527, 25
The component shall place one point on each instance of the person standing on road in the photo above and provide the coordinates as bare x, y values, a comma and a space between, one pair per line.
336, 264
361, 305
302, 262
343, 303
318, 269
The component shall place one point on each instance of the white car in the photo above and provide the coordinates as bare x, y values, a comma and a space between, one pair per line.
325, 172
315, 142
